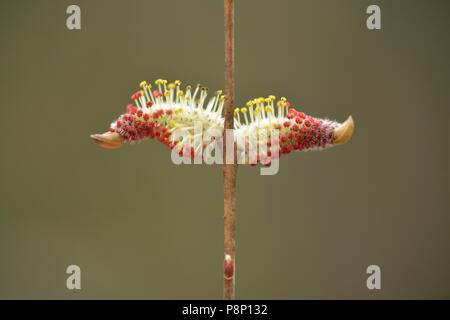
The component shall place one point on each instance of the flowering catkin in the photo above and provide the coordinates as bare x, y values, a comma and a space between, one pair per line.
159, 112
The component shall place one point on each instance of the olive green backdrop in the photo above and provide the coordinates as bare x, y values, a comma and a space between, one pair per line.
140, 227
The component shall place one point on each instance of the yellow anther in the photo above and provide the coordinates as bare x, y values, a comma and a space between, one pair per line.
272, 97
148, 86
180, 93
167, 93
236, 110
177, 82
171, 86
219, 92
143, 84
283, 99
267, 100
223, 97
158, 81
249, 103
173, 123
269, 109
163, 81
142, 92
244, 110
279, 104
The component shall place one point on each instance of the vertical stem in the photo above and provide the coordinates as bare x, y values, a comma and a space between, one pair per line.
229, 170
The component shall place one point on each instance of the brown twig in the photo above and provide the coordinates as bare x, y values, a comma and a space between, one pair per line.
229, 170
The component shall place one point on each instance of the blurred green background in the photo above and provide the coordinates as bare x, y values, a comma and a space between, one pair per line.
142, 228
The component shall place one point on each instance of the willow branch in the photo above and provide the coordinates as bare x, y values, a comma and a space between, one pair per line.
229, 170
